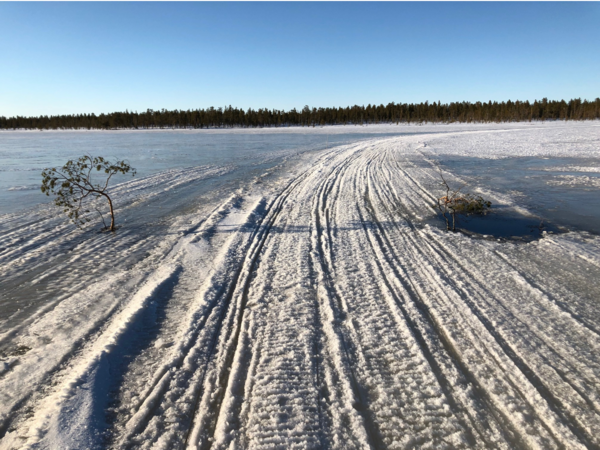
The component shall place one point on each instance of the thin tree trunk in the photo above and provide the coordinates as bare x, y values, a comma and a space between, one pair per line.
112, 213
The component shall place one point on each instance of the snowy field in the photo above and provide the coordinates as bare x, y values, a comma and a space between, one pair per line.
314, 302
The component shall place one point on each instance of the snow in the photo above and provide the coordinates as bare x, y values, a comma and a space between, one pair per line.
579, 181
314, 306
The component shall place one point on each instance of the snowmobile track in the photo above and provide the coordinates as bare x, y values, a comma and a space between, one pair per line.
320, 312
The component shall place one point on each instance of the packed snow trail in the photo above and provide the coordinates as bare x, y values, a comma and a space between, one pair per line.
322, 313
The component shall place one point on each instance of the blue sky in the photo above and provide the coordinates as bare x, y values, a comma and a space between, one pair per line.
59, 58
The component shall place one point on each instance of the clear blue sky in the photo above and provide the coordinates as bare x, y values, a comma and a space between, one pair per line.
60, 58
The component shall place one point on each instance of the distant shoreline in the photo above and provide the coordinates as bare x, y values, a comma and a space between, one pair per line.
305, 127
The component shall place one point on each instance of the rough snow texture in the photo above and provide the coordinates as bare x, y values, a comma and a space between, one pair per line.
317, 313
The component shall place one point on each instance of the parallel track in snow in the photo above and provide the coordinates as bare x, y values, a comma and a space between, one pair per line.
322, 314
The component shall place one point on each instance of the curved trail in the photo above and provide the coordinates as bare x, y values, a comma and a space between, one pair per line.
321, 314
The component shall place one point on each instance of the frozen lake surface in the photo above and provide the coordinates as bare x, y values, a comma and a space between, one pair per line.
293, 288
24, 154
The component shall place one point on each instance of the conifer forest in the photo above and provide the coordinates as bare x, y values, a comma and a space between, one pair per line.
228, 117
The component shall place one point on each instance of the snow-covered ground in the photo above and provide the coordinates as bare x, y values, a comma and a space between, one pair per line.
312, 306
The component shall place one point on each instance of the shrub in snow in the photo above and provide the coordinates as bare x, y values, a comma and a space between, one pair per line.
74, 187
454, 203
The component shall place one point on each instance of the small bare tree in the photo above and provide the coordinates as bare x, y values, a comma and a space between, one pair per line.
73, 185
453, 203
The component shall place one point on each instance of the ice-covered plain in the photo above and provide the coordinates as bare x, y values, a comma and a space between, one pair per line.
304, 295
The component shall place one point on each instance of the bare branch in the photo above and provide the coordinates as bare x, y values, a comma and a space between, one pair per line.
451, 204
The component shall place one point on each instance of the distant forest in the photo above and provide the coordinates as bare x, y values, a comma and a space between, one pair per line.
229, 117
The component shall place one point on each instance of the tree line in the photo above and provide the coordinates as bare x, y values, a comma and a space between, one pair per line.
228, 117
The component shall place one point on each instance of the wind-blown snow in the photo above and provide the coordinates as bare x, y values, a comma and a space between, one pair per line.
312, 308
